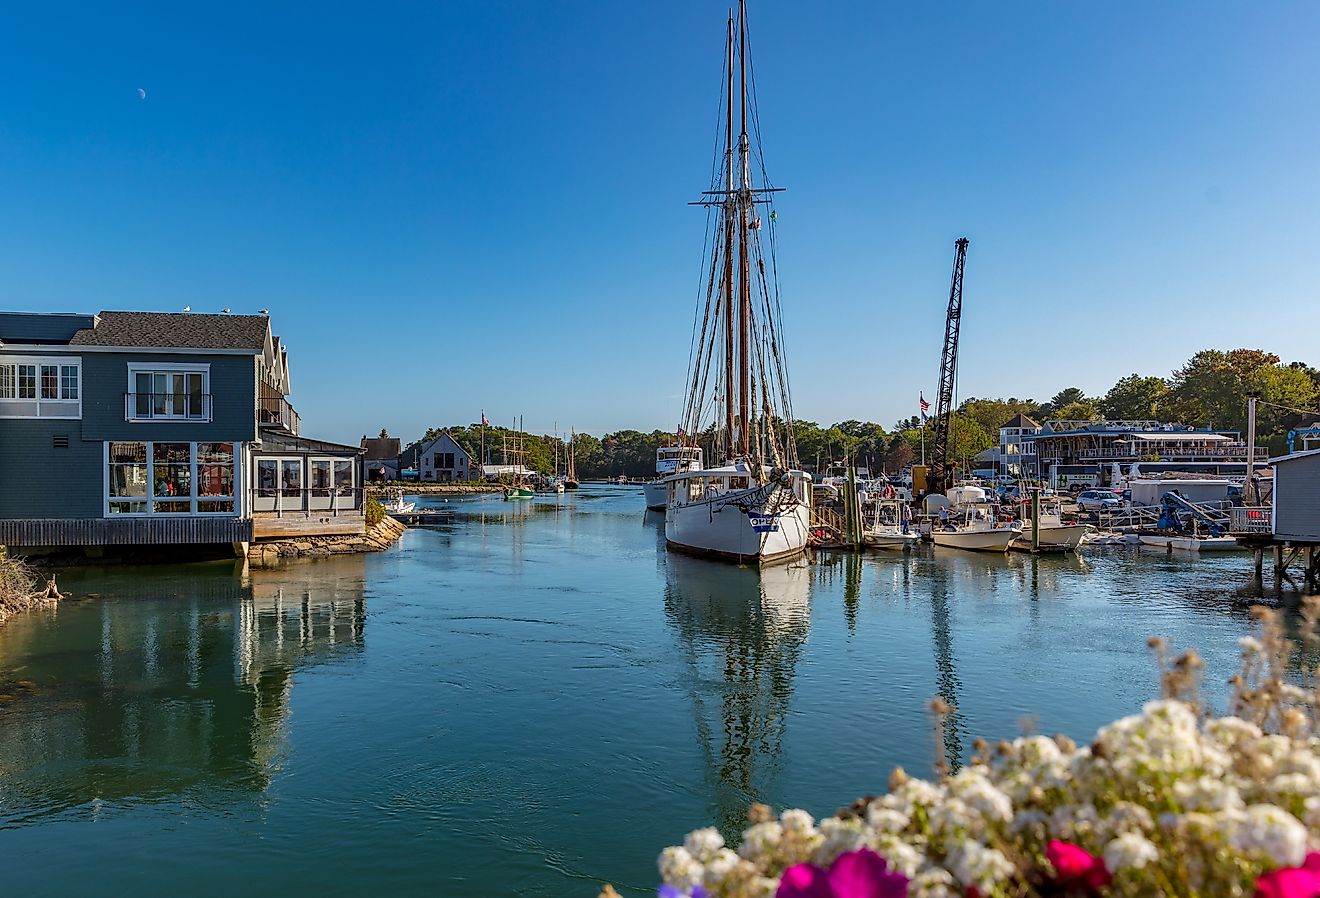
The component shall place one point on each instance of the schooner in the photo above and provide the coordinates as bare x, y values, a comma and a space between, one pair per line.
755, 507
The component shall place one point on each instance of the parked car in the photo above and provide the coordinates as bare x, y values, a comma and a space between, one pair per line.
1099, 500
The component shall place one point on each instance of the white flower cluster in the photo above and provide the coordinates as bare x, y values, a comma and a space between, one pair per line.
1164, 800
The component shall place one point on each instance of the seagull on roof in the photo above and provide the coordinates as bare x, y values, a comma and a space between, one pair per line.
187, 308
264, 311
225, 311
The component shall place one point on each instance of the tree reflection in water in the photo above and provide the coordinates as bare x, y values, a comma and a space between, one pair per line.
179, 685
742, 631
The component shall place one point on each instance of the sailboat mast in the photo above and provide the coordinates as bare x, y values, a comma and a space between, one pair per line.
744, 222
729, 210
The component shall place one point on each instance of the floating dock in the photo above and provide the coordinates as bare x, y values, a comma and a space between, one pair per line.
422, 516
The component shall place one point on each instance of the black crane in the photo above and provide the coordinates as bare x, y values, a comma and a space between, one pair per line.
938, 477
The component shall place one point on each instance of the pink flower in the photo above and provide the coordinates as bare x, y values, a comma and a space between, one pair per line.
1074, 866
1292, 882
857, 874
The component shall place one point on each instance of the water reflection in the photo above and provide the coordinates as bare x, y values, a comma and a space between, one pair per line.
174, 687
742, 632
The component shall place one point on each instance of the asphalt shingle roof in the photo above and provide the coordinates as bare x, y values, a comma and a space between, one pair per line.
384, 447
176, 330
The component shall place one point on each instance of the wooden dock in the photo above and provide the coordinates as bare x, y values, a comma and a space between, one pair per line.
422, 516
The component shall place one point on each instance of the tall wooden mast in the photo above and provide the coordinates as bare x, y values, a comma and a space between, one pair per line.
729, 210
744, 270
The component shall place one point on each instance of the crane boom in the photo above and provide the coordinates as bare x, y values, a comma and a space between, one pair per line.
938, 478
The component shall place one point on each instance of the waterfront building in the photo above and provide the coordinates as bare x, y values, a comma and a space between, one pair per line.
142, 428
444, 459
1096, 452
1017, 453
381, 458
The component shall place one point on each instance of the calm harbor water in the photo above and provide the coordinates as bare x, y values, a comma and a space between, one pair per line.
534, 699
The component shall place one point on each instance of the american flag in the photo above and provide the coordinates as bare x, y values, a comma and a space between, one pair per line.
485, 422
925, 406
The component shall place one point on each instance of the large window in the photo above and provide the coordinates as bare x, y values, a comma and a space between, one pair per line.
181, 392
27, 381
170, 478
40, 388
300, 483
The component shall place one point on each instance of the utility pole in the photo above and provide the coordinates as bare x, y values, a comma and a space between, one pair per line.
1249, 487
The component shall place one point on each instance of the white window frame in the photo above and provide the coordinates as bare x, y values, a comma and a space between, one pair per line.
192, 497
34, 406
185, 368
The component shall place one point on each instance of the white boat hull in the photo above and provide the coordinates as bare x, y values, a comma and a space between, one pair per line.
738, 526
989, 540
657, 494
1192, 543
1067, 535
880, 539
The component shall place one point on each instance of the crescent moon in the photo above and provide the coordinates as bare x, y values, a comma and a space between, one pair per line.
142, 93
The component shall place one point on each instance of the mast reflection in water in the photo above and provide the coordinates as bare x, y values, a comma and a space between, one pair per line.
741, 632
139, 700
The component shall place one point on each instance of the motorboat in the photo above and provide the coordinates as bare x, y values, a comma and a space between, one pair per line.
396, 504
987, 536
1053, 530
972, 523
1191, 543
669, 460
889, 527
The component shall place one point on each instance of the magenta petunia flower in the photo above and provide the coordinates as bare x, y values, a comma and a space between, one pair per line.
857, 874
1074, 866
1292, 882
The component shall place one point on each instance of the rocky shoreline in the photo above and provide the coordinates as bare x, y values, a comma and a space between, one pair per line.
433, 489
376, 539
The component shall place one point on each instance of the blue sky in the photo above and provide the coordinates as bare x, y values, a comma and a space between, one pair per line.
457, 206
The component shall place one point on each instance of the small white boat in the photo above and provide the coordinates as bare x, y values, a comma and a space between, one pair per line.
972, 524
890, 540
669, 460
889, 527
1052, 530
398, 505
1107, 538
1191, 543
984, 537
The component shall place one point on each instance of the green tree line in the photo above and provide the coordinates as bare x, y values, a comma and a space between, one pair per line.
1210, 390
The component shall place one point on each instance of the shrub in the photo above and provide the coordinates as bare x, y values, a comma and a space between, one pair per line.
374, 511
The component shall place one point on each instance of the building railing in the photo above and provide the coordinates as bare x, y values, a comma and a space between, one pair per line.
167, 406
275, 411
1250, 519
1174, 453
